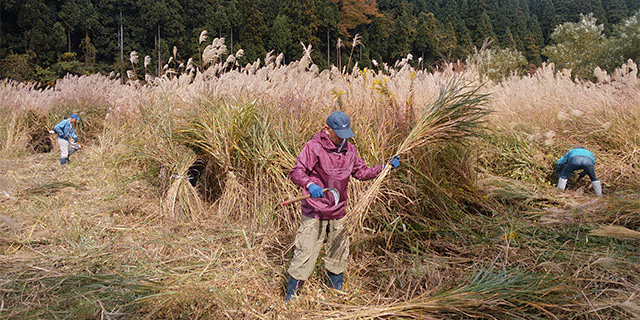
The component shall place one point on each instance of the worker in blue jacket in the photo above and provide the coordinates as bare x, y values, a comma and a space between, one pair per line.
67, 138
578, 159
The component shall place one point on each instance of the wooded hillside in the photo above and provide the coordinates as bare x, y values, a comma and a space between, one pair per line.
43, 40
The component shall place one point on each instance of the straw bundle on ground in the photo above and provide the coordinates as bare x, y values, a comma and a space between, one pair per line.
182, 200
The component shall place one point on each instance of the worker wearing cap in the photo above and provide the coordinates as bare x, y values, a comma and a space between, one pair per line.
328, 160
67, 138
578, 159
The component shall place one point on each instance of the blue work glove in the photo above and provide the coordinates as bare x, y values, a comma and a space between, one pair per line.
395, 162
315, 191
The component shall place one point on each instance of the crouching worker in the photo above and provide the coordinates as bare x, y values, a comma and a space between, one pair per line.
578, 159
67, 137
328, 160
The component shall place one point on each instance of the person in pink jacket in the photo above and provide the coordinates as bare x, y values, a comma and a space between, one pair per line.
328, 160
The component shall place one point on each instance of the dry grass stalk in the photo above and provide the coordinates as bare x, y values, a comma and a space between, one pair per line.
456, 114
618, 232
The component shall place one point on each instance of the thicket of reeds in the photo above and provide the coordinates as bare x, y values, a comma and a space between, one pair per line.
469, 226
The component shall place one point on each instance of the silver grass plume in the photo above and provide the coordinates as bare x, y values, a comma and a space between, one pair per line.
269, 58
306, 60
147, 61
231, 59
239, 54
203, 37
133, 57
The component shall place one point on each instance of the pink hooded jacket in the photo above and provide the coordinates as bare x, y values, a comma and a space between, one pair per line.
320, 163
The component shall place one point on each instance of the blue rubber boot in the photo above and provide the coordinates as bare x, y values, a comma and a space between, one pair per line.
334, 281
63, 161
72, 150
292, 288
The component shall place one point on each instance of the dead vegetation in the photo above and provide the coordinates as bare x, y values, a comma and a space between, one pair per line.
472, 229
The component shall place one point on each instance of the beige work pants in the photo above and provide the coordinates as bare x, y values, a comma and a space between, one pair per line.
65, 145
309, 240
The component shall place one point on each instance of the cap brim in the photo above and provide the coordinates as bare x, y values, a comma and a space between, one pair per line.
345, 133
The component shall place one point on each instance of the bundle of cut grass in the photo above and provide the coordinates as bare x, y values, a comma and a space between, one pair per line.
491, 294
181, 200
456, 114
172, 159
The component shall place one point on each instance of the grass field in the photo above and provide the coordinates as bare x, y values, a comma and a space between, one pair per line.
470, 226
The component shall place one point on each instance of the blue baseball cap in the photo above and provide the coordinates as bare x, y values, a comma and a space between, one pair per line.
340, 123
75, 116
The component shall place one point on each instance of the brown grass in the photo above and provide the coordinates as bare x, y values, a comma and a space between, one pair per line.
456, 232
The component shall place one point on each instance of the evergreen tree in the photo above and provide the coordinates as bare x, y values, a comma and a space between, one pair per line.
426, 43
545, 12
458, 32
596, 8
253, 30
403, 33
328, 21
303, 16
163, 23
281, 37
107, 37
79, 18
479, 23
34, 21
616, 11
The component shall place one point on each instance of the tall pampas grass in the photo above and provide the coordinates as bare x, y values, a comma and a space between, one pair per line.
456, 114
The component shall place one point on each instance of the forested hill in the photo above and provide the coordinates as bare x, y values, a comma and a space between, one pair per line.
45, 39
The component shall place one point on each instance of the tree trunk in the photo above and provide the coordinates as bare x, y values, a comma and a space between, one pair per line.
159, 58
121, 41
328, 49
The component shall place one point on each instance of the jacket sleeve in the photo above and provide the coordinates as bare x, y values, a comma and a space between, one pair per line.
305, 162
561, 162
362, 172
58, 129
72, 133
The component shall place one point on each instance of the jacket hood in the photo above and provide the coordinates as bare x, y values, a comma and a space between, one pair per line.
326, 143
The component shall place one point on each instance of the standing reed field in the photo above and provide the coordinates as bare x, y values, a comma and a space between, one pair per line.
469, 226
